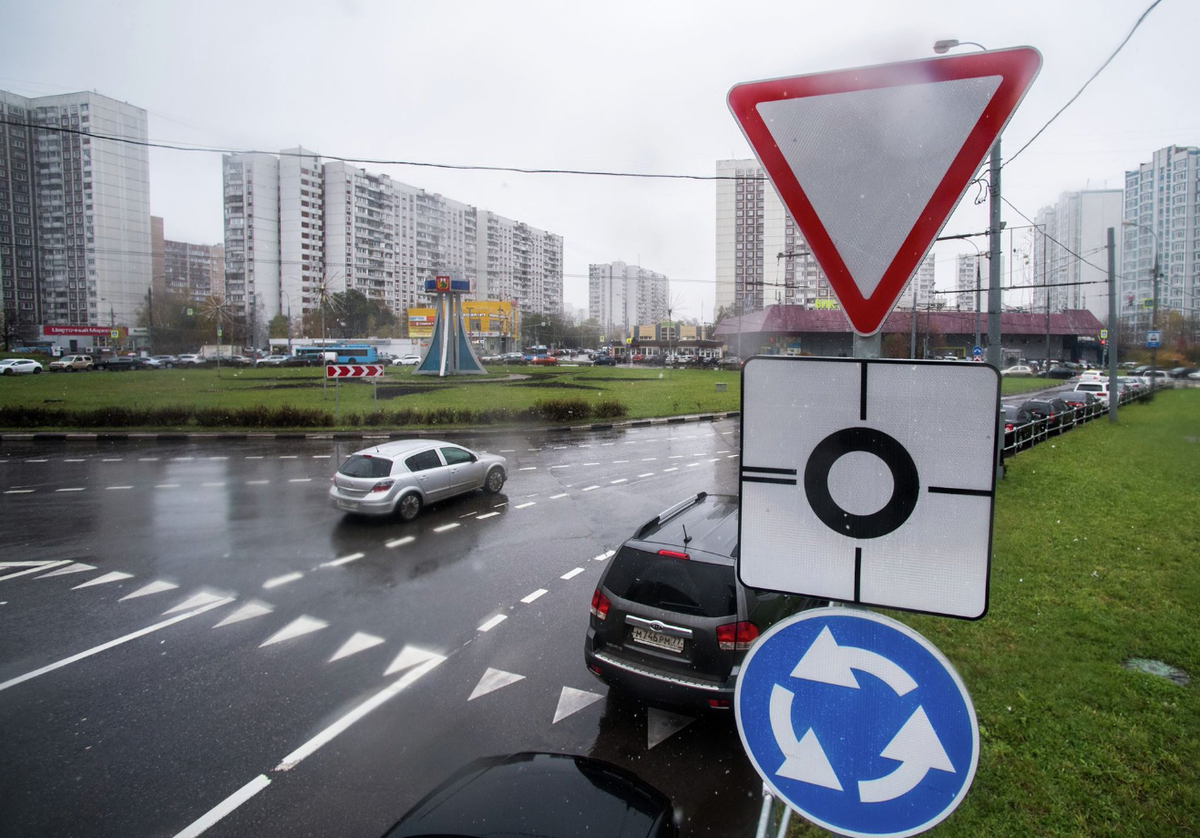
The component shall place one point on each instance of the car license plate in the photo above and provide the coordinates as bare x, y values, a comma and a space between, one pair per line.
348, 504
656, 639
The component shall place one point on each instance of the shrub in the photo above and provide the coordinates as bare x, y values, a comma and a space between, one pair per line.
560, 410
609, 409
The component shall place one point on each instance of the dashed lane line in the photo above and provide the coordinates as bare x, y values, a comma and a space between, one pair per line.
445, 527
692, 465
647, 474
621, 480
282, 580
493, 622
665, 470
399, 542
167, 486
571, 574
214, 485
300, 480
19, 492
535, 595
114, 488
525, 505
527, 468
353, 557
487, 515
257, 482
589, 488
556, 497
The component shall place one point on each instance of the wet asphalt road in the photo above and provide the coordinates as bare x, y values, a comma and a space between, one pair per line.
249, 660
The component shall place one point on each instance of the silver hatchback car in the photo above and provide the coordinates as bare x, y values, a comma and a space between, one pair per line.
403, 476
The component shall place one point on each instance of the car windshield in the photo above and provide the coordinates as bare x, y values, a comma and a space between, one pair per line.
689, 587
366, 466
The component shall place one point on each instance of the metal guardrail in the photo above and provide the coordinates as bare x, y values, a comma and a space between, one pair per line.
1038, 431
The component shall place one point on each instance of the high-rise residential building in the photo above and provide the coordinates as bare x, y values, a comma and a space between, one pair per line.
194, 271
920, 287
761, 256
622, 296
252, 252
1068, 259
297, 228
75, 244
971, 275
1162, 219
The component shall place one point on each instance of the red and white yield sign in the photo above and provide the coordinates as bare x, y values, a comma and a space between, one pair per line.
353, 370
871, 161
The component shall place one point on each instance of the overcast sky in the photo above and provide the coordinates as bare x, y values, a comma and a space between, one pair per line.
616, 86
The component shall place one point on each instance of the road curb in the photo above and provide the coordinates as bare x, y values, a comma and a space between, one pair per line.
287, 436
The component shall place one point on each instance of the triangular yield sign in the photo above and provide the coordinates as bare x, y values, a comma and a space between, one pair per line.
870, 162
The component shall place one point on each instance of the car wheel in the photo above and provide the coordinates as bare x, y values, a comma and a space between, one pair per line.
170, 366
409, 506
88, 368
495, 481
9, 371
36, 370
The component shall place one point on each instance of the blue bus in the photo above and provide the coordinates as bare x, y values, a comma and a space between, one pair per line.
342, 353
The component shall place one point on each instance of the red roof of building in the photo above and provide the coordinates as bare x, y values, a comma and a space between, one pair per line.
781, 319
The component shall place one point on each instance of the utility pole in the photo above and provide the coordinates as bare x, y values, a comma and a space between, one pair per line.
1114, 394
994, 297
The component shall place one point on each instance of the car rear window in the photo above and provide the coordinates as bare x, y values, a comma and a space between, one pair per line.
423, 461
1089, 388
358, 465
696, 588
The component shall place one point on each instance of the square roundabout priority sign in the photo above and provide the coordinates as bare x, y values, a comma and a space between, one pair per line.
869, 481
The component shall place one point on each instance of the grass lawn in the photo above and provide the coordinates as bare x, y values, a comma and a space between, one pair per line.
1096, 560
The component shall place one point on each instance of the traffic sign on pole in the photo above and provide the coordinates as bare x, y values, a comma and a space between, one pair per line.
871, 161
1153, 339
353, 370
977, 351
857, 722
869, 482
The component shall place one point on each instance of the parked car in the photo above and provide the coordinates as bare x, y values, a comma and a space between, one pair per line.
514, 358
492, 359
403, 476
604, 361
19, 366
540, 794
1018, 427
730, 362
407, 361
1097, 387
271, 361
166, 361
125, 363
189, 360
1060, 372
1182, 372
1080, 398
1053, 411
1018, 371
73, 363
544, 361
670, 621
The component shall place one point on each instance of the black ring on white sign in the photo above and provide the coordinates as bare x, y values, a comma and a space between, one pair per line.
906, 485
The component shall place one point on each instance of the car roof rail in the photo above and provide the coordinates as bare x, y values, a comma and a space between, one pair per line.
669, 513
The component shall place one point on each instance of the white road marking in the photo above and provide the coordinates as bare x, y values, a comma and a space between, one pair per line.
213, 815
216, 458
556, 497
288, 456
445, 527
525, 505
253, 608
40, 567
492, 680
571, 701
74, 460
300, 480
538, 593
647, 474
732, 457
255, 457
152, 588
617, 462
498, 505
487, 515
507, 450
298, 627
74, 567
214, 485
662, 725
95, 650
19, 492
275, 582
24, 564
40, 461
563, 466
383, 696
621, 480
397, 542
665, 470
571, 574
715, 460
358, 642
726, 451
492, 623
167, 486
115, 576
118, 487
675, 457
112, 460
527, 468
606, 555
176, 459
633, 442
353, 557
692, 465
559, 448
321, 456
72, 489
197, 600
257, 482
648, 459
148, 459
411, 656
591, 464
606, 444
589, 488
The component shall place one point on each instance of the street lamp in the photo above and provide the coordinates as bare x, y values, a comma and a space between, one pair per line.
994, 298
1156, 276
288, 297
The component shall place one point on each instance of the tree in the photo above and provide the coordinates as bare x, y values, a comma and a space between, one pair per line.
177, 325
278, 327
895, 346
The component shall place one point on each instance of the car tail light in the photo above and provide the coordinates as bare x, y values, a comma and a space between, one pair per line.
594, 668
673, 554
383, 485
600, 605
718, 703
1008, 426
737, 637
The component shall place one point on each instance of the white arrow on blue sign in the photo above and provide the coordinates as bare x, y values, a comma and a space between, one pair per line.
857, 722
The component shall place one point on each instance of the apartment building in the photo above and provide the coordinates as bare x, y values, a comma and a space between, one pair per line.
515, 261
623, 296
761, 256
1070, 266
252, 247
1161, 219
75, 243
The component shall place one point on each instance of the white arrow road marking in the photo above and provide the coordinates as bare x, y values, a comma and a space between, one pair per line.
493, 680
253, 608
302, 625
115, 576
74, 567
383, 696
661, 725
40, 567
23, 564
804, 760
110, 644
411, 656
357, 643
202, 598
571, 701
152, 588
917, 747
828, 663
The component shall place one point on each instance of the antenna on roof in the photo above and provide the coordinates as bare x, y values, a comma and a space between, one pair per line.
686, 537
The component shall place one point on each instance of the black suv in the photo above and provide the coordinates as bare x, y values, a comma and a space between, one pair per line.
670, 622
